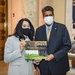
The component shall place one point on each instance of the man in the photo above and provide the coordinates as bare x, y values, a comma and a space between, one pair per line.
56, 62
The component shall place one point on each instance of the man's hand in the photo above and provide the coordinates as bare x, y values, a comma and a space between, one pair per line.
49, 57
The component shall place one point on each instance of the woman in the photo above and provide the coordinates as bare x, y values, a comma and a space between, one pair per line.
14, 52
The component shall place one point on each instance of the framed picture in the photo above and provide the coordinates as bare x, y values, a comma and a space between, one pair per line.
35, 50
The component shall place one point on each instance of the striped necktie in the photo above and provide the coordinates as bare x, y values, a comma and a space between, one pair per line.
48, 33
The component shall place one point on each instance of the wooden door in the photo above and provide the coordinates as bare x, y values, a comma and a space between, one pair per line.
2, 32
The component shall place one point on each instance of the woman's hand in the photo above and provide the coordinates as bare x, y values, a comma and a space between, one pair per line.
38, 60
22, 45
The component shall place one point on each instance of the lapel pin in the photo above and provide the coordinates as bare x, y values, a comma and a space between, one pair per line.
55, 28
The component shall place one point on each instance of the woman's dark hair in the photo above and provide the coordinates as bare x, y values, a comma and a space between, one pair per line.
48, 8
18, 30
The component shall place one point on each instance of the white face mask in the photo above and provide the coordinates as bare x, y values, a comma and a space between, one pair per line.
48, 19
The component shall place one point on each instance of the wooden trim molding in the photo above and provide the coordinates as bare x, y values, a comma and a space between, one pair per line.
2, 14
2, 31
1, 49
2, 37
2, 20
2, 3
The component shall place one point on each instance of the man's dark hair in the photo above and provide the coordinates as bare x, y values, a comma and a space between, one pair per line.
48, 8
18, 30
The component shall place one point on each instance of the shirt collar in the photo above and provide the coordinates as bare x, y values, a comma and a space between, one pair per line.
49, 26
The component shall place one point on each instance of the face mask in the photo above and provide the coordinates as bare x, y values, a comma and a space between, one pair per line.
48, 19
26, 31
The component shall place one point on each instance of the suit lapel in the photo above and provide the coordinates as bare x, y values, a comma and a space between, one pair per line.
44, 32
53, 32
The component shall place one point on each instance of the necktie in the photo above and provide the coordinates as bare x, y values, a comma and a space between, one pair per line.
48, 33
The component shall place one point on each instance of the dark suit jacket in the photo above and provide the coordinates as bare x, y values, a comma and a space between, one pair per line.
59, 44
